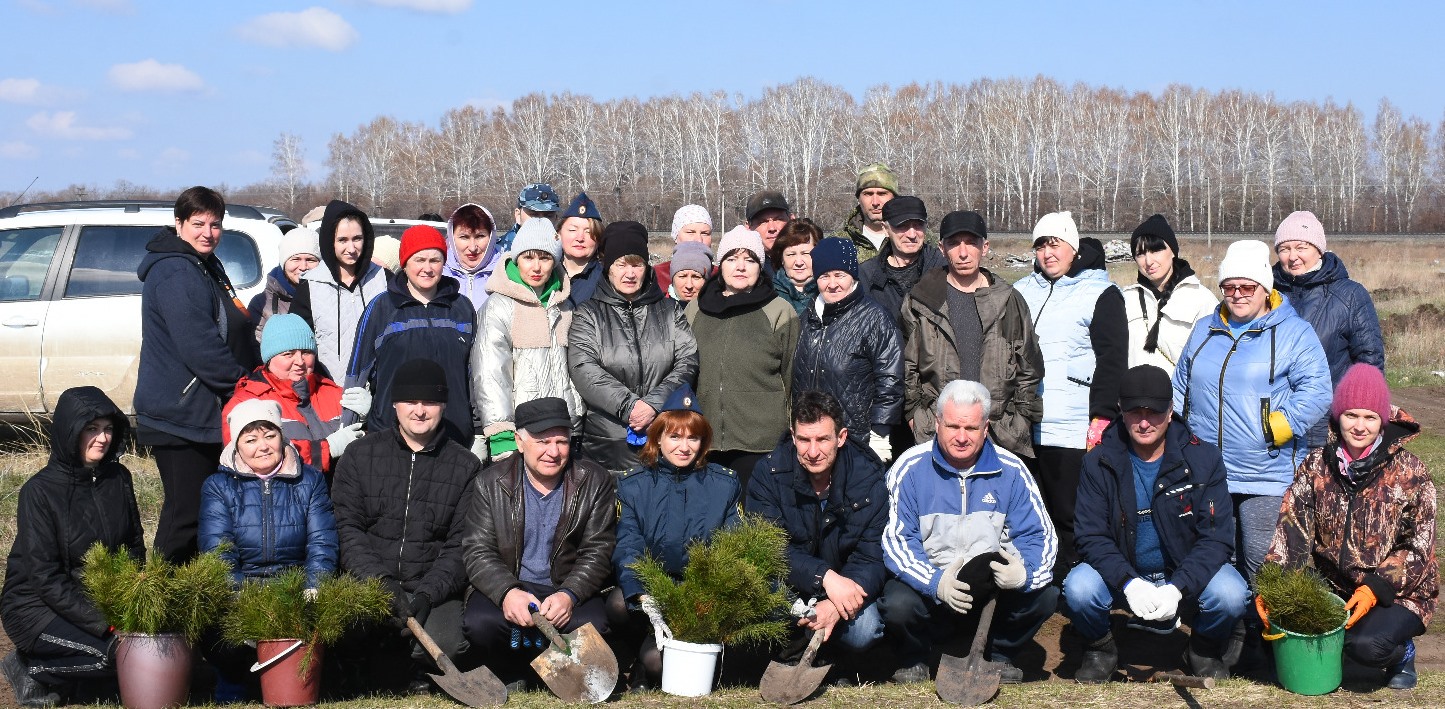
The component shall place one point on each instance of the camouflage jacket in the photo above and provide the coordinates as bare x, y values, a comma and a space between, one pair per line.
1374, 529
853, 229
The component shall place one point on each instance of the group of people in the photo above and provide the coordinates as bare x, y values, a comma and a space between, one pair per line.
509, 422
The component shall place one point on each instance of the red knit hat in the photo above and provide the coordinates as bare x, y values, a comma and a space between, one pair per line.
1362, 387
420, 238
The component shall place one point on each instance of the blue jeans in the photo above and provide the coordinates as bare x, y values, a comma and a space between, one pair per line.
1088, 600
861, 633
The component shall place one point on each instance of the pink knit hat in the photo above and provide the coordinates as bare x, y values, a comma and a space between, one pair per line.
1362, 387
1301, 226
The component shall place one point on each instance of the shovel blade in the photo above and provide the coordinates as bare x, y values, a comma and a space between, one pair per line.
586, 675
790, 684
967, 681
475, 688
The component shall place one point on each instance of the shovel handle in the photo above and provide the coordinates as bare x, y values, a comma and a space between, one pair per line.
815, 642
548, 629
1180, 679
425, 640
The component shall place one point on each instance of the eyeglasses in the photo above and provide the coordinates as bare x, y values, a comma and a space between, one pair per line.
1245, 289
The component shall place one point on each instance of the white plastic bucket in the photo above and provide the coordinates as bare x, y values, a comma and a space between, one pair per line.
688, 668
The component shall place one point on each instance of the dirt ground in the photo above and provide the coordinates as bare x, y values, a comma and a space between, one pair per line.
1426, 404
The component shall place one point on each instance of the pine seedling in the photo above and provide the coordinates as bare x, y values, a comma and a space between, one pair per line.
1298, 600
277, 609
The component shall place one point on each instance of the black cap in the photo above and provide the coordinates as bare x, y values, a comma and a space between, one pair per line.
898, 210
1158, 226
767, 199
623, 238
539, 415
962, 223
1146, 386
419, 380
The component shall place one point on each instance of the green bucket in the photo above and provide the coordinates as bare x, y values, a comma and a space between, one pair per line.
1308, 664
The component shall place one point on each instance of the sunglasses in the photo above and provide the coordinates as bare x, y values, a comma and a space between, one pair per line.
1245, 289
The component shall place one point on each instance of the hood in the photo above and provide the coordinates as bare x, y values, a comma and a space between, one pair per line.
232, 464
1091, 257
165, 244
504, 285
453, 263
650, 292
76, 408
932, 288
335, 211
1331, 270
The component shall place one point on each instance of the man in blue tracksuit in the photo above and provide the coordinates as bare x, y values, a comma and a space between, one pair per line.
965, 521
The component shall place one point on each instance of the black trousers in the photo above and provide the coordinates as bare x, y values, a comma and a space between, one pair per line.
915, 623
1057, 472
183, 470
65, 653
740, 462
490, 633
1378, 639
633, 639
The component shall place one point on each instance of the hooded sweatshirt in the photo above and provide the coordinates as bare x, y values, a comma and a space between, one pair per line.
473, 282
331, 309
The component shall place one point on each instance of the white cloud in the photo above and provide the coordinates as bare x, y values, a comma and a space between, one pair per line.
20, 90
38, 7
439, 7
18, 150
151, 75
312, 27
171, 158
63, 124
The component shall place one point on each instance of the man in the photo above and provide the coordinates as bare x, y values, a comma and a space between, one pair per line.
399, 496
540, 531
831, 499
951, 552
876, 186
537, 199
905, 258
767, 213
966, 323
1155, 530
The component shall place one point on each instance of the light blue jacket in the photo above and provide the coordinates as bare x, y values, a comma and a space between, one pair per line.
1062, 311
1227, 389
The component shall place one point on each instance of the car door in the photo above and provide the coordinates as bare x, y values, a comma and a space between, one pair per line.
27, 266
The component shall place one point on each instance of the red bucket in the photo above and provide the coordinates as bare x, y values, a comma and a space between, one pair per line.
282, 683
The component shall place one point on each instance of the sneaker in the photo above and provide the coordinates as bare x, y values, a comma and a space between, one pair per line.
1157, 627
911, 674
1402, 675
28, 692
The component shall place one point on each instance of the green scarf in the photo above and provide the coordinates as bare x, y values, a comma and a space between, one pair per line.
552, 286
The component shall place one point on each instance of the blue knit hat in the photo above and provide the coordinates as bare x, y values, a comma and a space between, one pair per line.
581, 206
283, 333
682, 398
835, 254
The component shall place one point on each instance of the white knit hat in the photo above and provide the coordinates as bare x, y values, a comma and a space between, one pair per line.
1247, 259
1059, 225
299, 241
536, 234
690, 214
251, 411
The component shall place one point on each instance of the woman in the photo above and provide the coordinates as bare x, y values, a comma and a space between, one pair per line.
690, 223
521, 352
673, 498
311, 404
629, 348
746, 336
792, 258
1167, 300
578, 230
849, 346
300, 251
1362, 512
82, 496
473, 256
691, 266
331, 299
196, 343
1339, 309
267, 511
1252, 381
422, 315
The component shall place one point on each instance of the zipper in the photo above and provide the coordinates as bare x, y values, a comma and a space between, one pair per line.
1223, 369
405, 513
1045, 304
267, 540
636, 340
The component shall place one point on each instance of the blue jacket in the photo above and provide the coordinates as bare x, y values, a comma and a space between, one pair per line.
584, 284
1228, 390
1342, 314
272, 525
845, 535
1191, 508
664, 510
926, 514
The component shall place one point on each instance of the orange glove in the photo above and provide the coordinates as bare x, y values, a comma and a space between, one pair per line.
1095, 435
1360, 604
1259, 606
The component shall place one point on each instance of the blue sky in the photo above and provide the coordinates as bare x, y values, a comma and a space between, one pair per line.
95, 91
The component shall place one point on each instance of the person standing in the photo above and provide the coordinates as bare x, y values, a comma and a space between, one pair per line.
331, 299
299, 252
876, 185
906, 255
535, 201
472, 257
1166, 301
792, 260
690, 224
579, 232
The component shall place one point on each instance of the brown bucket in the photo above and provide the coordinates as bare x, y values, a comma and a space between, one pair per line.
282, 684
154, 671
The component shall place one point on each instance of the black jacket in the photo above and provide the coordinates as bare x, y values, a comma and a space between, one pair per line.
854, 352
1191, 510
846, 536
63, 510
399, 513
876, 281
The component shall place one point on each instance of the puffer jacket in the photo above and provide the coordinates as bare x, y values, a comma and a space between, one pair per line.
1373, 526
663, 509
1343, 316
877, 281
852, 350
1188, 303
332, 310
271, 525
1256, 396
783, 286
399, 513
745, 345
845, 535
521, 352
1012, 364
1192, 510
1079, 320
308, 414
622, 351
62, 510
581, 548
274, 300
473, 282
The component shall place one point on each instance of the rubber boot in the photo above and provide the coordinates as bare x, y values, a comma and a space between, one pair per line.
1101, 660
1205, 657
1402, 675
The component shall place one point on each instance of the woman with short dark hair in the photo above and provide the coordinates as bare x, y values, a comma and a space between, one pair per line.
792, 261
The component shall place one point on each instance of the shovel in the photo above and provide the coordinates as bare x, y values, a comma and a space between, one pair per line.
476, 688
970, 681
789, 685
578, 666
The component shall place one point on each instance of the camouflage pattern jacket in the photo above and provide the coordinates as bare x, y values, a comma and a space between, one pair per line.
853, 229
1373, 527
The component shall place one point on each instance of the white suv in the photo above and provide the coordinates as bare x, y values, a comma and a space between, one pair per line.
70, 299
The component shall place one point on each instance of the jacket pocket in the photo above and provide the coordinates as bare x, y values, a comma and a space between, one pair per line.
187, 390
1080, 373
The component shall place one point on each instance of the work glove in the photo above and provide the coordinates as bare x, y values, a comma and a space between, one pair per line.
1278, 432
479, 447
310, 595
1359, 604
654, 614
343, 437
1140, 596
357, 399
400, 605
1096, 432
1166, 598
1009, 573
878, 443
419, 608
952, 592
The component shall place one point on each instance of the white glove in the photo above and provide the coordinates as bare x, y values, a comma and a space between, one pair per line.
1010, 573
479, 447
357, 399
952, 592
1166, 598
1140, 596
310, 595
343, 437
880, 447
654, 614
